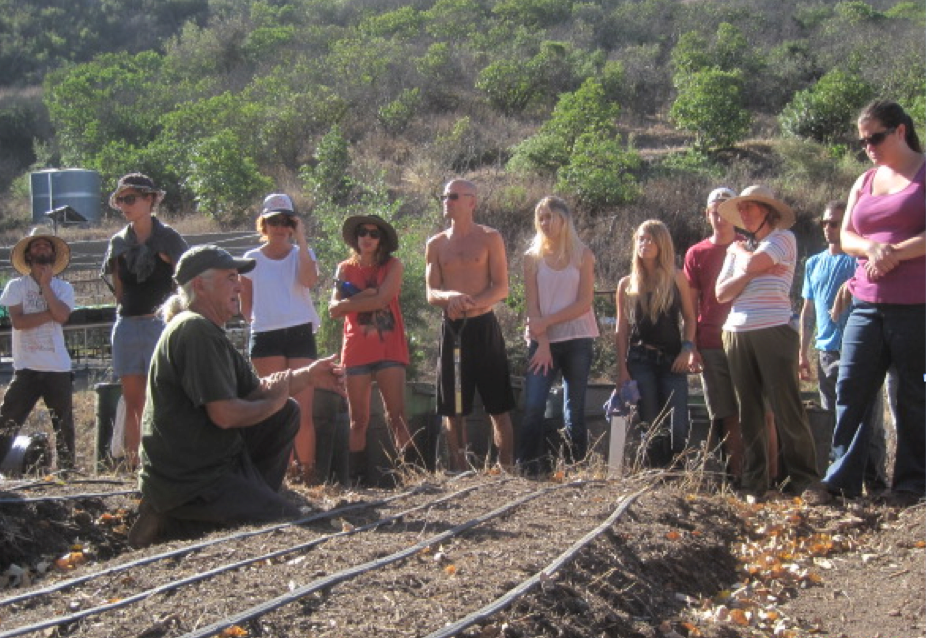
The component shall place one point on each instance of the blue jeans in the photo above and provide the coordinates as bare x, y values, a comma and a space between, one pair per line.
574, 359
876, 337
660, 388
828, 376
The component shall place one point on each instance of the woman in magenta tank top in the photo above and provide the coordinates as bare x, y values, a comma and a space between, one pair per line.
884, 228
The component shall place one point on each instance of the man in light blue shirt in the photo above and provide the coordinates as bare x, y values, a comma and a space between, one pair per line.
824, 274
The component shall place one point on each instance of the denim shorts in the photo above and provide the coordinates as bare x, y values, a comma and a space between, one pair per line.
133, 342
372, 368
296, 342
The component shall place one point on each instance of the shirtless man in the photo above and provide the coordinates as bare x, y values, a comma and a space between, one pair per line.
467, 274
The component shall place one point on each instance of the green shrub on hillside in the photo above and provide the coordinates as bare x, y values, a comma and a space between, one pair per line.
329, 179
509, 85
223, 180
600, 172
825, 112
114, 97
587, 110
397, 115
710, 105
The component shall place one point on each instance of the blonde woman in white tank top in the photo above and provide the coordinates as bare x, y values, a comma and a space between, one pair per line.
559, 277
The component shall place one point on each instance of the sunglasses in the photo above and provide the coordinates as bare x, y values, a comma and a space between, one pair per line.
875, 138
454, 196
830, 223
128, 200
372, 232
279, 220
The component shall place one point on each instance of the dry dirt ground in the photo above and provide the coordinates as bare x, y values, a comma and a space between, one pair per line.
647, 556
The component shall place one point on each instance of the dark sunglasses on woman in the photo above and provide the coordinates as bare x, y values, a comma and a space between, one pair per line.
128, 200
372, 232
875, 138
280, 220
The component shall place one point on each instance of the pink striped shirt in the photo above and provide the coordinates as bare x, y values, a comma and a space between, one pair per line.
765, 301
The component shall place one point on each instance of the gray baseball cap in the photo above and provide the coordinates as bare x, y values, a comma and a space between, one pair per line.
199, 259
721, 194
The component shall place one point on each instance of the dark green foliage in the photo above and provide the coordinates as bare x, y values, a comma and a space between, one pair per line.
600, 172
585, 111
39, 35
534, 13
710, 105
826, 111
22, 118
224, 183
509, 85
329, 179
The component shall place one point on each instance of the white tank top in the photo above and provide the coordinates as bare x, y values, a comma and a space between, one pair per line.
557, 289
279, 300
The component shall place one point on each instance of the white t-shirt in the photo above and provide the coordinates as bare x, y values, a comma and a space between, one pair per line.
765, 301
41, 348
279, 300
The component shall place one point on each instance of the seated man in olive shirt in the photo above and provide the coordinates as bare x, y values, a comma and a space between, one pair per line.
216, 439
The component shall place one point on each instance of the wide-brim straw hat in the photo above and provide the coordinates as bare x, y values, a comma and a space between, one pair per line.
762, 194
139, 182
349, 231
62, 252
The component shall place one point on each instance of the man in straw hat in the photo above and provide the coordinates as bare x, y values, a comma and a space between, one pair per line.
760, 343
39, 304
216, 439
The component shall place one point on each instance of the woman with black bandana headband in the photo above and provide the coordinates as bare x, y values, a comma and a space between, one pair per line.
140, 258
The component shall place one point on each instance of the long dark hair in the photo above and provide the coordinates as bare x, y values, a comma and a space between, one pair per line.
892, 115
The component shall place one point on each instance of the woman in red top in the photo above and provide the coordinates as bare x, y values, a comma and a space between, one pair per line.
374, 347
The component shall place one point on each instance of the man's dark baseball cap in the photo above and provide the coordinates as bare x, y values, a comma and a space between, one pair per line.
199, 259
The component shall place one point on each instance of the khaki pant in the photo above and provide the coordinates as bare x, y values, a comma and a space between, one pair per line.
763, 364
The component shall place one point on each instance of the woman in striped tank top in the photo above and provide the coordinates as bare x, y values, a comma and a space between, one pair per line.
759, 342
559, 278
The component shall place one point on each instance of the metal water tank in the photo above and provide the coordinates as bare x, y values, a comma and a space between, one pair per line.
75, 187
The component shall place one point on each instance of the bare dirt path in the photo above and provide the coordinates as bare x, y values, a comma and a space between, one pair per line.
696, 564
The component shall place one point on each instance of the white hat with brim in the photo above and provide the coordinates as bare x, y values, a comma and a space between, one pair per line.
762, 194
62, 252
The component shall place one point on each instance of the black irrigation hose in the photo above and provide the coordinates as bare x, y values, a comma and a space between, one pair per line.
201, 545
547, 572
67, 497
172, 585
357, 570
62, 483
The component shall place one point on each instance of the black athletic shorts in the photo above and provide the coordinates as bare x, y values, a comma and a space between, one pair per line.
484, 365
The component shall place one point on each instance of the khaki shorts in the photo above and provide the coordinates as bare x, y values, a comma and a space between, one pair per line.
717, 384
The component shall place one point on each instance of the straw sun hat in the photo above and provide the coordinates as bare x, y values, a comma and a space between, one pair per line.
62, 252
762, 194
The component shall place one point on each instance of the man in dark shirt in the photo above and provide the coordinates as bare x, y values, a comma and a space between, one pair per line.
216, 438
